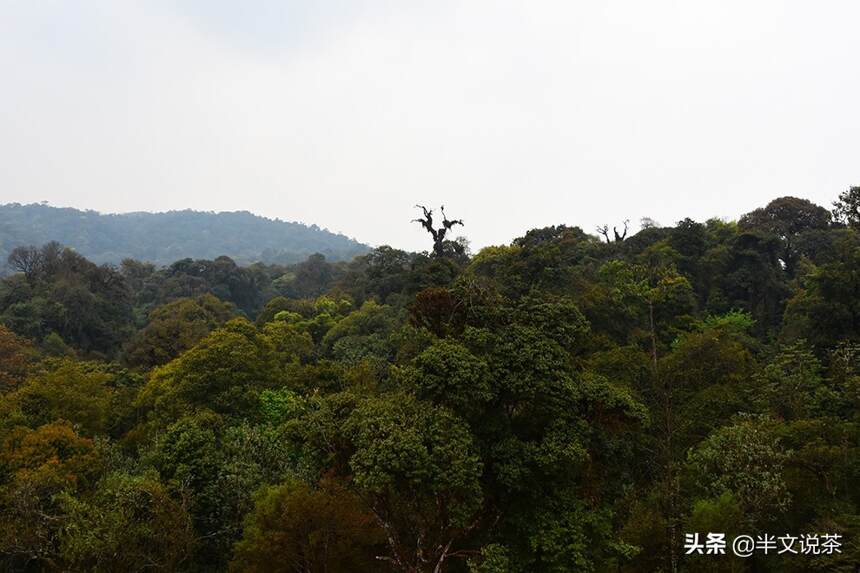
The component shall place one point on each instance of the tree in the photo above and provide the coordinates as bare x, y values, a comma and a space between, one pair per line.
751, 278
657, 289
310, 279
745, 459
437, 234
16, 354
224, 373
792, 387
67, 390
362, 334
296, 527
129, 523
417, 466
187, 455
619, 237
846, 209
547, 433
707, 372
380, 273
27, 260
89, 306
449, 374
175, 327
434, 309
291, 343
827, 309
787, 218
35, 467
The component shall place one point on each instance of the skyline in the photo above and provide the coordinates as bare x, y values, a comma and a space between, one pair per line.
633, 227
346, 114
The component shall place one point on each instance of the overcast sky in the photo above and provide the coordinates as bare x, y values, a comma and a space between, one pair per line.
346, 113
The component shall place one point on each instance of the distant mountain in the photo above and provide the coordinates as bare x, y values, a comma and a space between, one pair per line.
163, 238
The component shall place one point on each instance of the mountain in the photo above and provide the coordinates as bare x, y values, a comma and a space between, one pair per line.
162, 238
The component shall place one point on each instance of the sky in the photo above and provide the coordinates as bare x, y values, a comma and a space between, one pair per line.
346, 113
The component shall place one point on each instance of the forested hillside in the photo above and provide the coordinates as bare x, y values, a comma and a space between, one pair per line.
163, 238
563, 403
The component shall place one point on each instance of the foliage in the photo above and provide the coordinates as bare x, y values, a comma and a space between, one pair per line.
15, 356
128, 523
557, 404
847, 208
175, 327
745, 460
297, 527
224, 372
164, 237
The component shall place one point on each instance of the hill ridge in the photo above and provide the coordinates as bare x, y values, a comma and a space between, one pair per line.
163, 237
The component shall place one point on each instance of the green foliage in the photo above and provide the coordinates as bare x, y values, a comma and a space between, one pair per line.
36, 467
846, 209
557, 404
16, 354
294, 526
362, 334
793, 386
128, 523
175, 327
493, 559
415, 454
162, 237
827, 310
71, 391
281, 405
564, 534
705, 377
61, 291
224, 372
746, 460
449, 374
788, 218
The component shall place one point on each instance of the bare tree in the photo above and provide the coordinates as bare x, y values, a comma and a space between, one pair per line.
438, 234
604, 230
27, 260
622, 236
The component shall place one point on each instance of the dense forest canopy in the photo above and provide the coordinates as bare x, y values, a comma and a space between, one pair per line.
561, 403
163, 238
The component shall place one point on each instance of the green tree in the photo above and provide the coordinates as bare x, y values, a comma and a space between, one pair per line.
175, 327
296, 527
846, 209
224, 372
787, 218
77, 392
36, 465
826, 310
417, 465
16, 355
128, 523
746, 460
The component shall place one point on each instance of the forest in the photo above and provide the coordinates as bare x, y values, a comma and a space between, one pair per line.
163, 238
576, 400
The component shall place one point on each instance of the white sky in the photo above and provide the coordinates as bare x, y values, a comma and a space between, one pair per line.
346, 113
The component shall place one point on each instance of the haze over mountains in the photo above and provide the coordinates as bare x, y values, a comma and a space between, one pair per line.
163, 238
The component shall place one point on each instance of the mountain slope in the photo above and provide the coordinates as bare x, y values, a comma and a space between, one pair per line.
163, 238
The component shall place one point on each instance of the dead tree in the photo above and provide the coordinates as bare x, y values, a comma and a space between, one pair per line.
438, 234
604, 230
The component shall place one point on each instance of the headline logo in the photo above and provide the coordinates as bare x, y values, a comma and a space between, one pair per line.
765, 544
